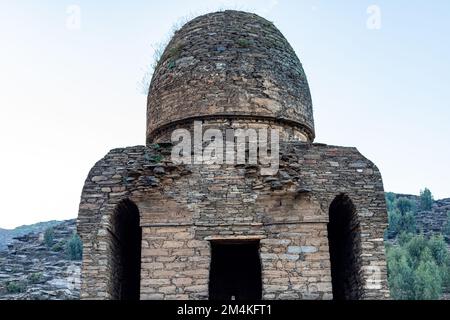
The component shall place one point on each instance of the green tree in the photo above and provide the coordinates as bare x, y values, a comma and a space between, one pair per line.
407, 223
400, 274
426, 200
49, 236
393, 223
427, 278
415, 247
446, 229
74, 248
390, 201
441, 255
16, 286
35, 277
399, 223
404, 205
439, 250
404, 238
418, 268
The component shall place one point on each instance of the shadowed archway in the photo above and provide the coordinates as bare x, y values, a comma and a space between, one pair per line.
126, 251
345, 249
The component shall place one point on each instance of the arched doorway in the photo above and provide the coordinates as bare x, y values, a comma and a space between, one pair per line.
344, 243
126, 251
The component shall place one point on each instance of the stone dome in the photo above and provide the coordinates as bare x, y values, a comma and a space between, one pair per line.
229, 66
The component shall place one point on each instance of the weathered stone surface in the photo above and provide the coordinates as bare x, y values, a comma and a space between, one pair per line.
254, 82
293, 235
254, 78
431, 222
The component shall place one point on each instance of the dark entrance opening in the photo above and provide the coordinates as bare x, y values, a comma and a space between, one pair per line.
344, 243
235, 271
127, 238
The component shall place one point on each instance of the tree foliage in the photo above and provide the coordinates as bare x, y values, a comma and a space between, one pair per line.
446, 230
418, 269
405, 205
74, 248
426, 200
49, 236
16, 286
401, 215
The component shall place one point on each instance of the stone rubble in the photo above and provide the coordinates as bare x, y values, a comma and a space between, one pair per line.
45, 274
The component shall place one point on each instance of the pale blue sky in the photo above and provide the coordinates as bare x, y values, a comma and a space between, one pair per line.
69, 96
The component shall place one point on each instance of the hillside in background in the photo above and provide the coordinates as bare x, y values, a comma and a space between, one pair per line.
428, 221
43, 261
6, 235
42, 265
417, 246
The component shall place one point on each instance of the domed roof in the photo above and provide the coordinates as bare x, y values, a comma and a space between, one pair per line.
231, 65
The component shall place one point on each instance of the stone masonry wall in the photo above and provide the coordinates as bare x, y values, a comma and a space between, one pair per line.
285, 132
295, 262
174, 264
184, 207
229, 64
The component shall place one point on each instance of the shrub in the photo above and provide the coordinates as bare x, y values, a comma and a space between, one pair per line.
439, 250
427, 280
16, 287
400, 274
158, 51
243, 43
404, 205
390, 201
35, 277
171, 65
407, 223
418, 268
446, 229
426, 200
399, 223
157, 158
49, 237
393, 219
74, 248
58, 247
415, 247
174, 52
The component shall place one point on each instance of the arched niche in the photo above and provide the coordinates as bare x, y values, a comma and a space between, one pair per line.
126, 236
345, 249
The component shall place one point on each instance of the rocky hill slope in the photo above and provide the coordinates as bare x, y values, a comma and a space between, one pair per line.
431, 222
31, 270
7, 236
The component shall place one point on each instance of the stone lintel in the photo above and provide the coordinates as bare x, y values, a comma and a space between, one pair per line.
235, 238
